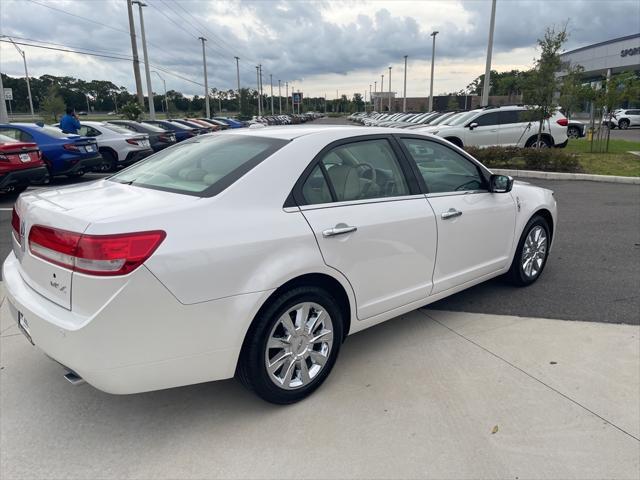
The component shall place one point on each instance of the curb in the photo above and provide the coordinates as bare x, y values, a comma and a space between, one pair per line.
567, 176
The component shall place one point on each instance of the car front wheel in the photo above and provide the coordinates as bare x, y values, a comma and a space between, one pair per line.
292, 345
531, 255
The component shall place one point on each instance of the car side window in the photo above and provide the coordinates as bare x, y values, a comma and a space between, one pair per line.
443, 169
508, 117
87, 131
11, 133
362, 170
488, 119
316, 189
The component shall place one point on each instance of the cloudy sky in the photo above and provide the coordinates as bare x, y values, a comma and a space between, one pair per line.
317, 46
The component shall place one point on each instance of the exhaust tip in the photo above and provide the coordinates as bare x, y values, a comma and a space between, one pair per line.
73, 378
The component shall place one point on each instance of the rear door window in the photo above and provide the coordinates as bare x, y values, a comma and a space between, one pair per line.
488, 119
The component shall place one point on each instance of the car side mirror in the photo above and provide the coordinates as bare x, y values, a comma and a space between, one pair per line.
500, 183
473, 125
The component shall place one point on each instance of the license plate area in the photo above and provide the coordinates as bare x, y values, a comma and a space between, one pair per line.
21, 321
24, 157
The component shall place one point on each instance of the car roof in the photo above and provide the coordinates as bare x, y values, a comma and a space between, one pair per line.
290, 132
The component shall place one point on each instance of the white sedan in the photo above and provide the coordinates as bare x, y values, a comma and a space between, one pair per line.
254, 253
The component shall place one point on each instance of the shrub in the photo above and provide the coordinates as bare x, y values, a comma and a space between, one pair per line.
546, 159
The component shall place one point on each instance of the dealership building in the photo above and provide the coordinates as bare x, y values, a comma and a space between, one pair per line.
604, 59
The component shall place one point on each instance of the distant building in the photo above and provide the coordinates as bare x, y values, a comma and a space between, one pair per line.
604, 59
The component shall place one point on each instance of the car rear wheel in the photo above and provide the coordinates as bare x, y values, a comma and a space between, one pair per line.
623, 124
531, 255
292, 345
533, 142
110, 160
573, 132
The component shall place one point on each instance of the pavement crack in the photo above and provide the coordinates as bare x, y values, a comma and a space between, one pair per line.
532, 377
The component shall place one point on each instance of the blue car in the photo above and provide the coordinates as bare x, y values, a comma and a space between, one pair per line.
230, 121
63, 153
182, 132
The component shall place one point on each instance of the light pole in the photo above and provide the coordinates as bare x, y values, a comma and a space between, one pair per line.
280, 96
389, 89
147, 68
166, 102
271, 82
134, 51
258, 89
487, 70
86, 97
238, 78
433, 56
381, 90
206, 81
404, 93
370, 98
261, 91
4, 117
375, 90
26, 73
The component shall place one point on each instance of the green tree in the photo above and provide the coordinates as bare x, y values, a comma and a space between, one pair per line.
53, 104
543, 83
131, 111
453, 104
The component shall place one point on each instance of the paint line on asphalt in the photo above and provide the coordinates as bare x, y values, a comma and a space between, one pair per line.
530, 376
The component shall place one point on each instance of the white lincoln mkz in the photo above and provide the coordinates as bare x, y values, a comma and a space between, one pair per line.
254, 253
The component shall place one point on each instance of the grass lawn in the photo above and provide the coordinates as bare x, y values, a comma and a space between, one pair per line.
617, 162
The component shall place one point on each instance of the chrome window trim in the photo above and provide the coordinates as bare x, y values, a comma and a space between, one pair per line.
347, 203
451, 194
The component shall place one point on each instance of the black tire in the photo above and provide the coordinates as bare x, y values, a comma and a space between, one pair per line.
110, 160
573, 132
516, 274
252, 371
531, 143
623, 124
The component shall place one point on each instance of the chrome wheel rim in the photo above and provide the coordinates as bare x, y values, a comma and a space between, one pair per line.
299, 346
534, 252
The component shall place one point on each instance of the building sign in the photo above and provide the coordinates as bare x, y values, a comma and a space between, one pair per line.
297, 98
627, 52
8, 94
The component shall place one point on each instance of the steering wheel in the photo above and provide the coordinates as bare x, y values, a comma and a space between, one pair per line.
364, 167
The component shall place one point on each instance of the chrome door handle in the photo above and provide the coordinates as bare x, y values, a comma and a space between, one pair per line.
339, 229
451, 213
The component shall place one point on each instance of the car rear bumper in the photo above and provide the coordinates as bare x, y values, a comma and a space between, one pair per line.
141, 339
135, 156
27, 176
81, 165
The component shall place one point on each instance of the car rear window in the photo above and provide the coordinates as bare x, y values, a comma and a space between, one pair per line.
55, 132
117, 128
203, 166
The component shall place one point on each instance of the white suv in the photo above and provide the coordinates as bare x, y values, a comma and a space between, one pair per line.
509, 126
625, 118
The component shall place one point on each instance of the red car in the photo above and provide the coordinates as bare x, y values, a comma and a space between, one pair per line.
21, 165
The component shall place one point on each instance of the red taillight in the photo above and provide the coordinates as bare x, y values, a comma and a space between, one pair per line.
103, 255
71, 147
15, 223
4, 158
563, 122
135, 141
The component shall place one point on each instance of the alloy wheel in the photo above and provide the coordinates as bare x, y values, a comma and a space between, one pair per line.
299, 346
534, 252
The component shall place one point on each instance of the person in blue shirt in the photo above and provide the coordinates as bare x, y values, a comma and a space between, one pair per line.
70, 123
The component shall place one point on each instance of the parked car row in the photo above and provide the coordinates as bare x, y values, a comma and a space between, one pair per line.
291, 119
623, 118
31, 154
511, 125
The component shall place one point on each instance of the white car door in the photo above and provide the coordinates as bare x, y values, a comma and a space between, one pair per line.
482, 131
371, 222
512, 131
475, 227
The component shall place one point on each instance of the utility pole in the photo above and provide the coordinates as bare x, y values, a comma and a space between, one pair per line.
487, 70
375, 90
147, 68
4, 117
280, 96
166, 102
134, 52
26, 74
238, 78
404, 93
271, 82
389, 89
258, 89
206, 81
433, 57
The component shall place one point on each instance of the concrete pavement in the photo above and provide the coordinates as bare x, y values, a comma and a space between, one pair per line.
431, 394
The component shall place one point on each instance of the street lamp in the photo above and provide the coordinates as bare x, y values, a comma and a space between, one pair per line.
166, 101
404, 94
433, 56
26, 72
389, 89
487, 70
152, 108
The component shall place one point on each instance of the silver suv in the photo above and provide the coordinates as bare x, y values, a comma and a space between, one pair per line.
508, 126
